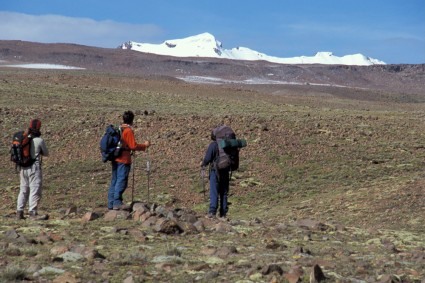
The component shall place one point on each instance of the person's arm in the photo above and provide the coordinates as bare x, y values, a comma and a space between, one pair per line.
43, 148
210, 154
130, 141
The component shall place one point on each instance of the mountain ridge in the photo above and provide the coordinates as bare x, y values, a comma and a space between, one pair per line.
206, 45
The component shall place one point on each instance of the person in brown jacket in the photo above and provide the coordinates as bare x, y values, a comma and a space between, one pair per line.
122, 164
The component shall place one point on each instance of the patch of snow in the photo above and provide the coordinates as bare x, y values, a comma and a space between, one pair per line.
256, 81
43, 66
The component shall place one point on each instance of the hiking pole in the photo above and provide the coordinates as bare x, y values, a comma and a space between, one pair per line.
203, 181
148, 170
132, 187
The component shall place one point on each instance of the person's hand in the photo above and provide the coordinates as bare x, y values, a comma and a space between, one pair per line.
147, 144
200, 163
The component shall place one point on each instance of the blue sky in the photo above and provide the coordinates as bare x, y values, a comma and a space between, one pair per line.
389, 30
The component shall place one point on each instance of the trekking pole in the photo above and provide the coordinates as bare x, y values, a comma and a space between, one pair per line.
203, 181
148, 170
132, 187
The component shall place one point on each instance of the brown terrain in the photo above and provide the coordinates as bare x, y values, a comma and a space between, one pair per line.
331, 187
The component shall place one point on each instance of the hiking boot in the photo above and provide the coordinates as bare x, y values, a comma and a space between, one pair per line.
36, 217
223, 218
210, 216
122, 207
20, 215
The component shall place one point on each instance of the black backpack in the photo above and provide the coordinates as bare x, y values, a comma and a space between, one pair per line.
228, 148
110, 143
20, 151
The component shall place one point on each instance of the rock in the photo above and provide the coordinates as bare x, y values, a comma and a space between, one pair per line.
165, 266
293, 278
224, 252
256, 277
34, 267
272, 268
88, 253
388, 279
11, 235
187, 217
161, 211
137, 215
209, 251
55, 237
211, 275
116, 215
71, 257
317, 274
51, 270
129, 279
150, 221
223, 227
300, 250
311, 224
273, 245
187, 227
167, 226
90, 216
138, 235
57, 250
71, 210
66, 277
140, 207
295, 274
145, 216
199, 225
43, 239
167, 258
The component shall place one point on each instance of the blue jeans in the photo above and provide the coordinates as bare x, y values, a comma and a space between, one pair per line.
119, 182
219, 189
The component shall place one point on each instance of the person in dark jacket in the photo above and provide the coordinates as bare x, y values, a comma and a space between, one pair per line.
218, 179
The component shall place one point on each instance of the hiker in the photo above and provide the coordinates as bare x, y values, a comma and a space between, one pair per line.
218, 179
31, 177
121, 165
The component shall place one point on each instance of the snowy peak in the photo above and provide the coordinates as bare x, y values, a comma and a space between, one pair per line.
205, 45
201, 45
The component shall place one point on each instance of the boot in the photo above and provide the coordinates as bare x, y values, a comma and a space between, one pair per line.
34, 216
20, 215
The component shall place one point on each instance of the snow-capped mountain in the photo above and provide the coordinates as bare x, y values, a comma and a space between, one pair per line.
205, 45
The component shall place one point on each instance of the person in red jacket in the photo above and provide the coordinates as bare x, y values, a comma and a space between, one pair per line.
122, 164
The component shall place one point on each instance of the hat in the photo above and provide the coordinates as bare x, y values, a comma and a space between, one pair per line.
35, 124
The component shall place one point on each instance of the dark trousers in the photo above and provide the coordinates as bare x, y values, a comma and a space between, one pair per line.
119, 182
219, 190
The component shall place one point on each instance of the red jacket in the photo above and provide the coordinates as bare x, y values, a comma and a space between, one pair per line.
128, 144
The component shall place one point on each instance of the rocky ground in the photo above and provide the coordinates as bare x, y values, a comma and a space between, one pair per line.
330, 187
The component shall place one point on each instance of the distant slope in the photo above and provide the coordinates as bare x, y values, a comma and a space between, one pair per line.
405, 79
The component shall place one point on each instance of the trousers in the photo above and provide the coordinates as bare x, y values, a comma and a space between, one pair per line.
219, 190
30, 187
119, 182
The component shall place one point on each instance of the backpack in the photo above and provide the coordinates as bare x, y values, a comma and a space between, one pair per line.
228, 148
20, 151
110, 143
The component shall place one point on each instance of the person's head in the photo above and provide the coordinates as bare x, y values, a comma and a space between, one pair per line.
34, 127
213, 135
128, 117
